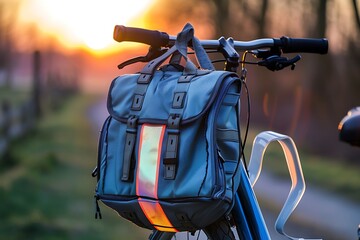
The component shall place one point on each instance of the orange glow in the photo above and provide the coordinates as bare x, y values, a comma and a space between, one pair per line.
82, 23
156, 215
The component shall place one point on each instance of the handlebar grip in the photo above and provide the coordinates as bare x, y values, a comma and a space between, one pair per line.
150, 37
305, 45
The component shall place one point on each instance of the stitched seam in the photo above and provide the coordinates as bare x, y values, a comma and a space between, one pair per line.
106, 151
207, 157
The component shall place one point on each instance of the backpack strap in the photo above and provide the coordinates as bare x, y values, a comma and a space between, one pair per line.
132, 124
173, 126
182, 40
176, 112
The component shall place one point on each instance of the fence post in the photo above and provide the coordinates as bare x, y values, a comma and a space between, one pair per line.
5, 108
37, 83
5, 127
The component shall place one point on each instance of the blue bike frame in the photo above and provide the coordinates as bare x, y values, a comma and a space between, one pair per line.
250, 223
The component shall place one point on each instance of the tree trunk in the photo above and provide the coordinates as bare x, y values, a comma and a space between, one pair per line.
320, 30
262, 19
221, 16
357, 14
37, 83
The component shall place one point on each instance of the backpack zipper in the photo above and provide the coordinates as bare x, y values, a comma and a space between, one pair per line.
103, 133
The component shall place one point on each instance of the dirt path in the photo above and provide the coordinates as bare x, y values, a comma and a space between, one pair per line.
319, 215
326, 215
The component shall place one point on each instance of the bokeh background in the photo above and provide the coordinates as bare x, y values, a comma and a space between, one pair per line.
58, 58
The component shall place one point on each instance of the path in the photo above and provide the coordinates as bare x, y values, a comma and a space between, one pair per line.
318, 215
326, 215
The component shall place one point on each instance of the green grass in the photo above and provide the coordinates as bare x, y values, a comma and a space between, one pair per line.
14, 96
48, 193
329, 174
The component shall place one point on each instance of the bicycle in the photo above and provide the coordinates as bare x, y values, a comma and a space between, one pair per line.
349, 132
349, 127
245, 221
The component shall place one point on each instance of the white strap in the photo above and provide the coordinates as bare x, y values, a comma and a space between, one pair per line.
297, 190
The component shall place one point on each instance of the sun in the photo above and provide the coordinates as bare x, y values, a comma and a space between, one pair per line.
88, 23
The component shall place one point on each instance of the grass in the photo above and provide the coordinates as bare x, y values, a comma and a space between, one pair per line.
330, 174
14, 96
48, 193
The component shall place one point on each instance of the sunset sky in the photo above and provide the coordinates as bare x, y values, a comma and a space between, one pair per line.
82, 23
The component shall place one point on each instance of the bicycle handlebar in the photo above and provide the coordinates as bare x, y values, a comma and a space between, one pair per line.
162, 39
131, 34
305, 45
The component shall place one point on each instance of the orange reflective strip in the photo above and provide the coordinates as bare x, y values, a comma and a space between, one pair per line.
156, 215
150, 145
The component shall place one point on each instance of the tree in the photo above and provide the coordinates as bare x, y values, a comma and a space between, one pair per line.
8, 17
220, 15
356, 14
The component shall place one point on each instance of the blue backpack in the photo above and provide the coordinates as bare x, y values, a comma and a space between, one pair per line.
170, 149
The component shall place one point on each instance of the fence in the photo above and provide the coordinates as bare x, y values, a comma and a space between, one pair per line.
15, 121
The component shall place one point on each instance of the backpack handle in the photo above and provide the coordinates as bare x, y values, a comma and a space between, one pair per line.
150, 68
181, 44
182, 41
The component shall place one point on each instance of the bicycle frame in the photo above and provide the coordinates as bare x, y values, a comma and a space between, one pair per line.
247, 215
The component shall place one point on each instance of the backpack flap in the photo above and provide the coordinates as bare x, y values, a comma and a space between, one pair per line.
160, 95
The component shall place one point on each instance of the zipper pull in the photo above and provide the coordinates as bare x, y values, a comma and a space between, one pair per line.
94, 172
97, 208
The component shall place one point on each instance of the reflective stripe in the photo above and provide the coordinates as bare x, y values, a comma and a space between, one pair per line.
156, 215
150, 146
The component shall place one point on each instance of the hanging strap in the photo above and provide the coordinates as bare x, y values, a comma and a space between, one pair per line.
182, 41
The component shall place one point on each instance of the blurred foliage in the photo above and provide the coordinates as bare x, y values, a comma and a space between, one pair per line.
8, 19
14, 96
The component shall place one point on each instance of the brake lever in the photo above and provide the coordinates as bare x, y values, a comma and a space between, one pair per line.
131, 61
276, 63
152, 54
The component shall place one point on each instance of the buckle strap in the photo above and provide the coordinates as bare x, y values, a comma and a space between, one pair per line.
130, 140
171, 154
173, 126
143, 82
